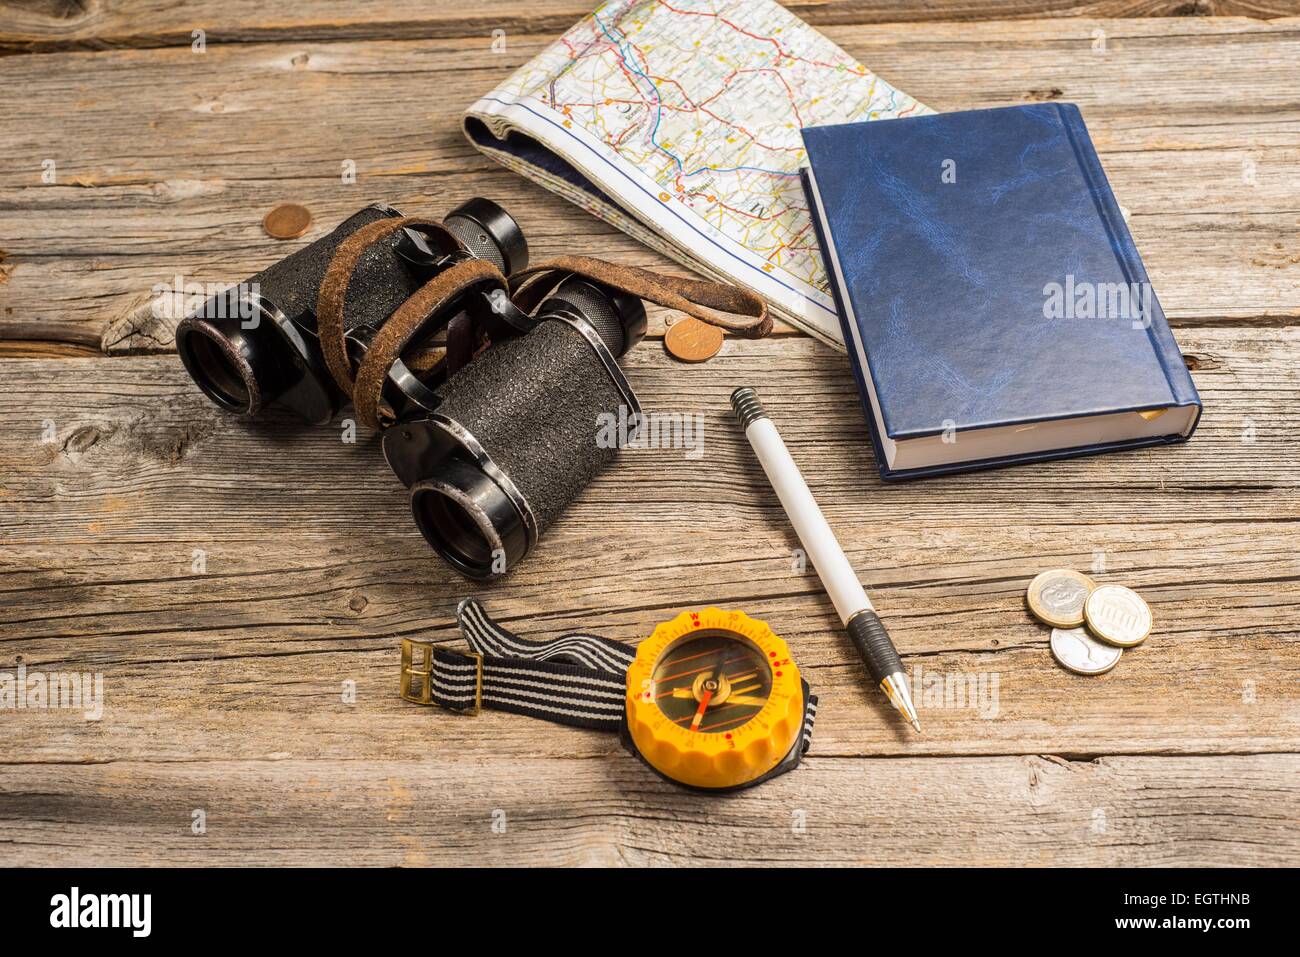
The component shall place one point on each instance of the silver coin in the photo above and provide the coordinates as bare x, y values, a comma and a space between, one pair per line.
1077, 651
1118, 616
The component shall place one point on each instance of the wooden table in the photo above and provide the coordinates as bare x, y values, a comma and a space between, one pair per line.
234, 583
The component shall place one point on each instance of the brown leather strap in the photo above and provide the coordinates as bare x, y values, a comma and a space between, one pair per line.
395, 334
718, 304
334, 286
715, 303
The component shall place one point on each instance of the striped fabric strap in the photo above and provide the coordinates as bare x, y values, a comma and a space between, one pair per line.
809, 716
576, 679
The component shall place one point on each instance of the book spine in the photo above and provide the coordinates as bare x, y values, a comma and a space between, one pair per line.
1158, 332
820, 228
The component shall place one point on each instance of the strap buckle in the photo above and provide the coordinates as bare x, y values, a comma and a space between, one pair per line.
417, 676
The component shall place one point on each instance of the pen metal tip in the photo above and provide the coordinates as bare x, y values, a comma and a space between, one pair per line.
895, 688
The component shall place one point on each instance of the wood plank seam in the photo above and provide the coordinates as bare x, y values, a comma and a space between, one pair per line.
63, 27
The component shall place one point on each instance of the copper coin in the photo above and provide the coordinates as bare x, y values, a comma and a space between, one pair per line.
691, 340
287, 221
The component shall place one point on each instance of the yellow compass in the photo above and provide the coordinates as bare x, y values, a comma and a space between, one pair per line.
715, 701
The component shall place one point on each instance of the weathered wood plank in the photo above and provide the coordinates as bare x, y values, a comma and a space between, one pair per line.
248, 679
1197, 121
224, 680
53, 25
450, 810
46, 349
312, 566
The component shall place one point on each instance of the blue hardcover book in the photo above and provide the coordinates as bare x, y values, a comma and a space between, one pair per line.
994, 307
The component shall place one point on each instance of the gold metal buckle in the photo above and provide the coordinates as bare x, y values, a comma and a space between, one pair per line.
421, 677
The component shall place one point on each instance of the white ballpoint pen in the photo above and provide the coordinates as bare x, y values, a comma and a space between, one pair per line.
838, 578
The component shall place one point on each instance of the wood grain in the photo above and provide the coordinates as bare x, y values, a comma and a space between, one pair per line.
609, 810
1209, 185
242, 586
313, 568
54, 25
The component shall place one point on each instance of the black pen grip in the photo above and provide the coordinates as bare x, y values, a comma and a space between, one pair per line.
868, 635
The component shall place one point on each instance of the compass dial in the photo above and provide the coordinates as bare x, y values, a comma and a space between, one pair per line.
713, 699
712, 681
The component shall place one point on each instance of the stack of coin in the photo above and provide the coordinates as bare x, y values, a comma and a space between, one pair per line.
1091, 624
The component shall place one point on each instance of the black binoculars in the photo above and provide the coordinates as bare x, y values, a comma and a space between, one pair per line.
518, 432
491, 450
257, 344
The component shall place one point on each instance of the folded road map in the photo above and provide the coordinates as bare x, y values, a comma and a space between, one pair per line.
679, 122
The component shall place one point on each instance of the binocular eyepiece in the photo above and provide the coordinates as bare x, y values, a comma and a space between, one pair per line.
257, 344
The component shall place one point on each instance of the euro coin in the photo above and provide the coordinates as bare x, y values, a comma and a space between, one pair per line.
1118, 616
691, 340
287, 221
1076, 650
1056, 597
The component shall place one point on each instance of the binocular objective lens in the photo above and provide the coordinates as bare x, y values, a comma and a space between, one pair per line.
210, 359
450, 528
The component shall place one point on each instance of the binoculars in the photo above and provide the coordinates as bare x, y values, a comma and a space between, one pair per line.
257, 344
492, 444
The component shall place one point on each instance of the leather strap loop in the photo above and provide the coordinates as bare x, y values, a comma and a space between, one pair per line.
338, 275
718, 304
396, 333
